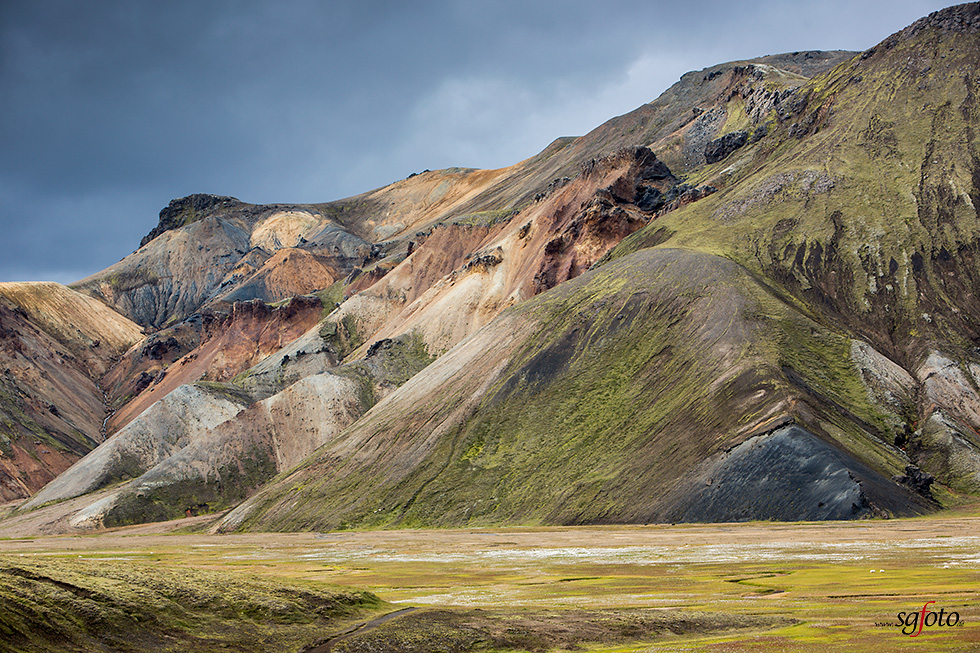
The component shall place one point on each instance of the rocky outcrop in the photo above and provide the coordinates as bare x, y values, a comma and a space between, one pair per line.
212, 250
791, 474
917, 480
720, 148
183, 211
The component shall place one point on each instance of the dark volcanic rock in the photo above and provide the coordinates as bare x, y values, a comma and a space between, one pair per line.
649, 199
916, 479
184, 210
720, 148
789, 474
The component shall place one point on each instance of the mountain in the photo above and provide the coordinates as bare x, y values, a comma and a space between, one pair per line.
55, 344
752, 298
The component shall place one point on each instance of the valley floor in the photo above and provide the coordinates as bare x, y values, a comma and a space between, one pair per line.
721, 587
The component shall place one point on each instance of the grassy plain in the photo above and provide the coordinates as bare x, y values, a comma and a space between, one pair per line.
723, 587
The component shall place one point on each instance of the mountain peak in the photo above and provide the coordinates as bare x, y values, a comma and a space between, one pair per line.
959, 18
185, 210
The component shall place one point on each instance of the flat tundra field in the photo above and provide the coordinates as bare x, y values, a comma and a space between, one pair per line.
890, 585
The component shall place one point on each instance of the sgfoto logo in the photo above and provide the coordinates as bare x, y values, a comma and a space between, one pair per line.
913, 622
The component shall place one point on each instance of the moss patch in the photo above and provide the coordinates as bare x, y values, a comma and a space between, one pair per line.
92, 605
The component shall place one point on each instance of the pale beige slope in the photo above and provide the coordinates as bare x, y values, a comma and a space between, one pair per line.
86, 326
404, 207
182, 417
461, 277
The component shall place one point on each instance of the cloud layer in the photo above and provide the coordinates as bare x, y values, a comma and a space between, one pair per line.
113, 108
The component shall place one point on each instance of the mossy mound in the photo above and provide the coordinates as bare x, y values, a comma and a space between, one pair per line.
96, 605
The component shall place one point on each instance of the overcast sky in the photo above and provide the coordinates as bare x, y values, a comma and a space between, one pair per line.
111, 108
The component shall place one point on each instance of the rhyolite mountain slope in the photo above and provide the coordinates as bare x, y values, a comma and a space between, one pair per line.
595, 402
55, 345
749, 299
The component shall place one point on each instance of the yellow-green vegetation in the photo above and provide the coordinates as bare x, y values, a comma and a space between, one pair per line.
389, 362
731, 587
122, 282
157, 496
862, 200
484, 218
342, 336
405, 357
91, 604
230, 391
13, 416
330, 297
635, 374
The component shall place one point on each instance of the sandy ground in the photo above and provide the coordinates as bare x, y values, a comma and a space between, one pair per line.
957, 523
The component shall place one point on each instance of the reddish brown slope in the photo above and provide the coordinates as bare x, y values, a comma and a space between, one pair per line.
54, 345
461, 277
229, 344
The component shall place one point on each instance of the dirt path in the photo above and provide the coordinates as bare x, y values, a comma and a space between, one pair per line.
367, 626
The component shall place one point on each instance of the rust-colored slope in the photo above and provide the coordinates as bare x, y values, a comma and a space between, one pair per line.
230, 343
287, 273
459, 278
54, 343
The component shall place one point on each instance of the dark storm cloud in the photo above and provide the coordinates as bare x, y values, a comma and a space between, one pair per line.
112, 108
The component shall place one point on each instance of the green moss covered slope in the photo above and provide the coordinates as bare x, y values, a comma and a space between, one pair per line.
95, 605
617, 387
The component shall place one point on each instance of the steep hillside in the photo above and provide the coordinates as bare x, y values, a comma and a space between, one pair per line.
54, 345
861, 201
861, 197
752, 298
606, 400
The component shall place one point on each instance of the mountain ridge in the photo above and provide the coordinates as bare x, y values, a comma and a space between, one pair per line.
766, 268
